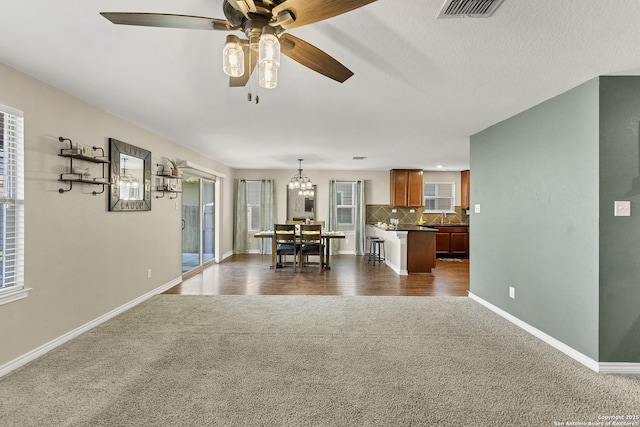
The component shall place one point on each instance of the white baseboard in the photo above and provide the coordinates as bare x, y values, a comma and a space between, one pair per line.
43, 349
397, 269
619, 368
601, 367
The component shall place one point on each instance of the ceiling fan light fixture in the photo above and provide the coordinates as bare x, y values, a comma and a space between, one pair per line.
268, 58
233, 57
268, 77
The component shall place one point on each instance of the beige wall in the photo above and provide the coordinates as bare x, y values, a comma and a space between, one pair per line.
376, 191
82, 261
376, 186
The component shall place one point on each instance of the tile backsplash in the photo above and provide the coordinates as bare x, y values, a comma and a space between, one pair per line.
382, 213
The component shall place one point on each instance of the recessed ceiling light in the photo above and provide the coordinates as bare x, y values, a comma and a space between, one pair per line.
439, 166
359, 157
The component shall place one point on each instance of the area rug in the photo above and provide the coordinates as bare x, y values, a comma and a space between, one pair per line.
310, 361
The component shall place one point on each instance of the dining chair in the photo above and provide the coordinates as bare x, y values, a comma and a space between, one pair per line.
311, 244
284, 236
315, 221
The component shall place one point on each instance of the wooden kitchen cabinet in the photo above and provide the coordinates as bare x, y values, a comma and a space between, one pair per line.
406, 188
421, 252
443, 243
452, 241
460, 243
465, 189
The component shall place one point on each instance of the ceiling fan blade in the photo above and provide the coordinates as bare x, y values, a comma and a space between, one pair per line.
244, 6
167, 20
248, 67
312, 57
310, 11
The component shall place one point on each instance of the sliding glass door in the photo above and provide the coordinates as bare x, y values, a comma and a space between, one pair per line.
190, 223
208, 220
198, 222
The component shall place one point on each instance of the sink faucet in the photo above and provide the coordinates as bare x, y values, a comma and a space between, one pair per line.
442, 215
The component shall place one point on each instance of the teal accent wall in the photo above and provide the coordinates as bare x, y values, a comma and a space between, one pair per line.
619, 236
546, 180
536, 178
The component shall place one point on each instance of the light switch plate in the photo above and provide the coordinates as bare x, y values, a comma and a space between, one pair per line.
622, 208
476, 208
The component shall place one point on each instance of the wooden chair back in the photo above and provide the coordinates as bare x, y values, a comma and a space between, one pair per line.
311, 243
285, 241
284, 233
315, 221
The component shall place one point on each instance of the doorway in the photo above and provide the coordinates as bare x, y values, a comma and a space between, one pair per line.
198, 222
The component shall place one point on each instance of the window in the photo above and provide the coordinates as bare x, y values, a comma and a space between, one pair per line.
11, 205
253, 205
346, 205
439, 197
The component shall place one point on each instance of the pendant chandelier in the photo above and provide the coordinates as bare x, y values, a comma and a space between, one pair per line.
301, 182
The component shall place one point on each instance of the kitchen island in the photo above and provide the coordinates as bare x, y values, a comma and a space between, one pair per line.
410, 249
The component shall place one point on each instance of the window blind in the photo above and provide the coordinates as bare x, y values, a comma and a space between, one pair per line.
345, 204
439, 197
11, 199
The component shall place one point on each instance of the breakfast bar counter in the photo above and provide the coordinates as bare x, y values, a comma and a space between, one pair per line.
410, 249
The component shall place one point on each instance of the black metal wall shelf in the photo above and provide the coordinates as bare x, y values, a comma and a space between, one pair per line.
170, 183
71, 177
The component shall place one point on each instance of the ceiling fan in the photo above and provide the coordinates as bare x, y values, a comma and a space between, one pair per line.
263, 22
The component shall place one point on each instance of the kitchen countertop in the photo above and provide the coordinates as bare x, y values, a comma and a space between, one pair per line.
404, 227
411, 227
445, 225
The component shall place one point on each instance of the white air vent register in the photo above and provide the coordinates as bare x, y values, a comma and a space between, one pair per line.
468, 8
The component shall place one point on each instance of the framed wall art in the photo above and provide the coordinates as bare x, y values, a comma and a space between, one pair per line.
130, 173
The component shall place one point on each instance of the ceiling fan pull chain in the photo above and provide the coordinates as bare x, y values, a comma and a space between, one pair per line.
257, 88
249, 96
257, 96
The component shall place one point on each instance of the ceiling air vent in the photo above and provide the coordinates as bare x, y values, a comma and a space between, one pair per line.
468, 8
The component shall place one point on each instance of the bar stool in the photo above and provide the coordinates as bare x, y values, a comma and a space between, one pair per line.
371, 250
379, 253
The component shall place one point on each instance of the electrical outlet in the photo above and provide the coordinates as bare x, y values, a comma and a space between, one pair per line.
476, 208
512, 292
149, 274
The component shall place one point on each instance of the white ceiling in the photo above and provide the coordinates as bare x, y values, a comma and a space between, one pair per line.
421, 87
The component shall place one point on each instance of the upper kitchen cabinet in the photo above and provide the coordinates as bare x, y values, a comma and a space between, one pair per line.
406, 188
465, 189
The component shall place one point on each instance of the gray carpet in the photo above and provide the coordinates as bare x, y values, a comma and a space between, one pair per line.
309, 361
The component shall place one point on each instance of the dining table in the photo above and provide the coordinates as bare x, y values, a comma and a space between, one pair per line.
326, 237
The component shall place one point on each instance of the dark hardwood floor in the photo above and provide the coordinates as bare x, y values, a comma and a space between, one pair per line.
349, 275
